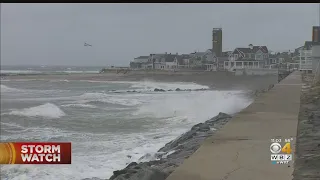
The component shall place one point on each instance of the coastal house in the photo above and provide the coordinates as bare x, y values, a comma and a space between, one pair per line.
183, 61
140, 62
296, 55
221, 62
273, 59
284, 57
251, 57
305, 56
157, 61
171, 61
164, 61
225, 56
203, 60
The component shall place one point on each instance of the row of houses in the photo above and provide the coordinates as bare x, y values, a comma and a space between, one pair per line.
168, 61
244, 57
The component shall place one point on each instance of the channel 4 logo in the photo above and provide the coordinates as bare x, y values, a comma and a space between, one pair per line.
281, 155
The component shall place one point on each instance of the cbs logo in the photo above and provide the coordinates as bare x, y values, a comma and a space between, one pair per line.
276, 148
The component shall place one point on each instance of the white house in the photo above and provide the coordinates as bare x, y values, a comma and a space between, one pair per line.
164, 61
305, 60
251, 58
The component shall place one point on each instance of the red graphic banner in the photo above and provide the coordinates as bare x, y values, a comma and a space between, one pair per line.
35, 153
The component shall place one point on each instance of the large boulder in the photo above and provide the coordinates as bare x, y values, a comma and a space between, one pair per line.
159, 90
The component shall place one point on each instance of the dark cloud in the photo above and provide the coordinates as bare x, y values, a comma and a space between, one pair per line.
53, 34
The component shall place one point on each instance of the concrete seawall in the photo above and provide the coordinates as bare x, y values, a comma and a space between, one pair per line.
240, 150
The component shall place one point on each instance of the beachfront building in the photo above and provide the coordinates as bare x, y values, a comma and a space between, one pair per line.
158, 61
184, 61
204, 60
305, 56
273, 59
164, 61
167, 61
251, 57
141, 62
296, 55
171, 61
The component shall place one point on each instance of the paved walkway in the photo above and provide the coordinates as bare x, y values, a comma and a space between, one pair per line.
240, 150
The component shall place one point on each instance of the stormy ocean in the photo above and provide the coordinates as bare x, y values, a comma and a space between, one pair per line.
110, 123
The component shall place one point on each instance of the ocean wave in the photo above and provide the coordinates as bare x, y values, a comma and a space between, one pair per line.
5, 88
59, 80
196, 105
177, 111
107, 98
19, 72
47, 110
79, 105
105, 150
147, 85
75, 72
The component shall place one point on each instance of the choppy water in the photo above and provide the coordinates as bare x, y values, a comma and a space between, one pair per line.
47, 69
104, 122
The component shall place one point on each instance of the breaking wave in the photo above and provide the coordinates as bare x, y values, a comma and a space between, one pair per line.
47, 110
147, 85
79, 105
5, 88
106, 98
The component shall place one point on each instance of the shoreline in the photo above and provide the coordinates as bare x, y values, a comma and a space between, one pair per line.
214, 80
173, 153
176, 151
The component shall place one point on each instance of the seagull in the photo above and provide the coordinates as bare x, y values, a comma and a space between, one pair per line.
86, 44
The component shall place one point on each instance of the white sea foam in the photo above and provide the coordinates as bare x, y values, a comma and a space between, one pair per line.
76, 72
47, 110
6, 89
108, 152
19, 72
170, 114
59, 80
107, 98
166, 86
195, 106
80, 105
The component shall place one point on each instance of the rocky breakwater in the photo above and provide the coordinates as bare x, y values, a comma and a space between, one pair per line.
172, 154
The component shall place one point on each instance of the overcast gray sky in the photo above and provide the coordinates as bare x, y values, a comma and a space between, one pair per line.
54, 34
